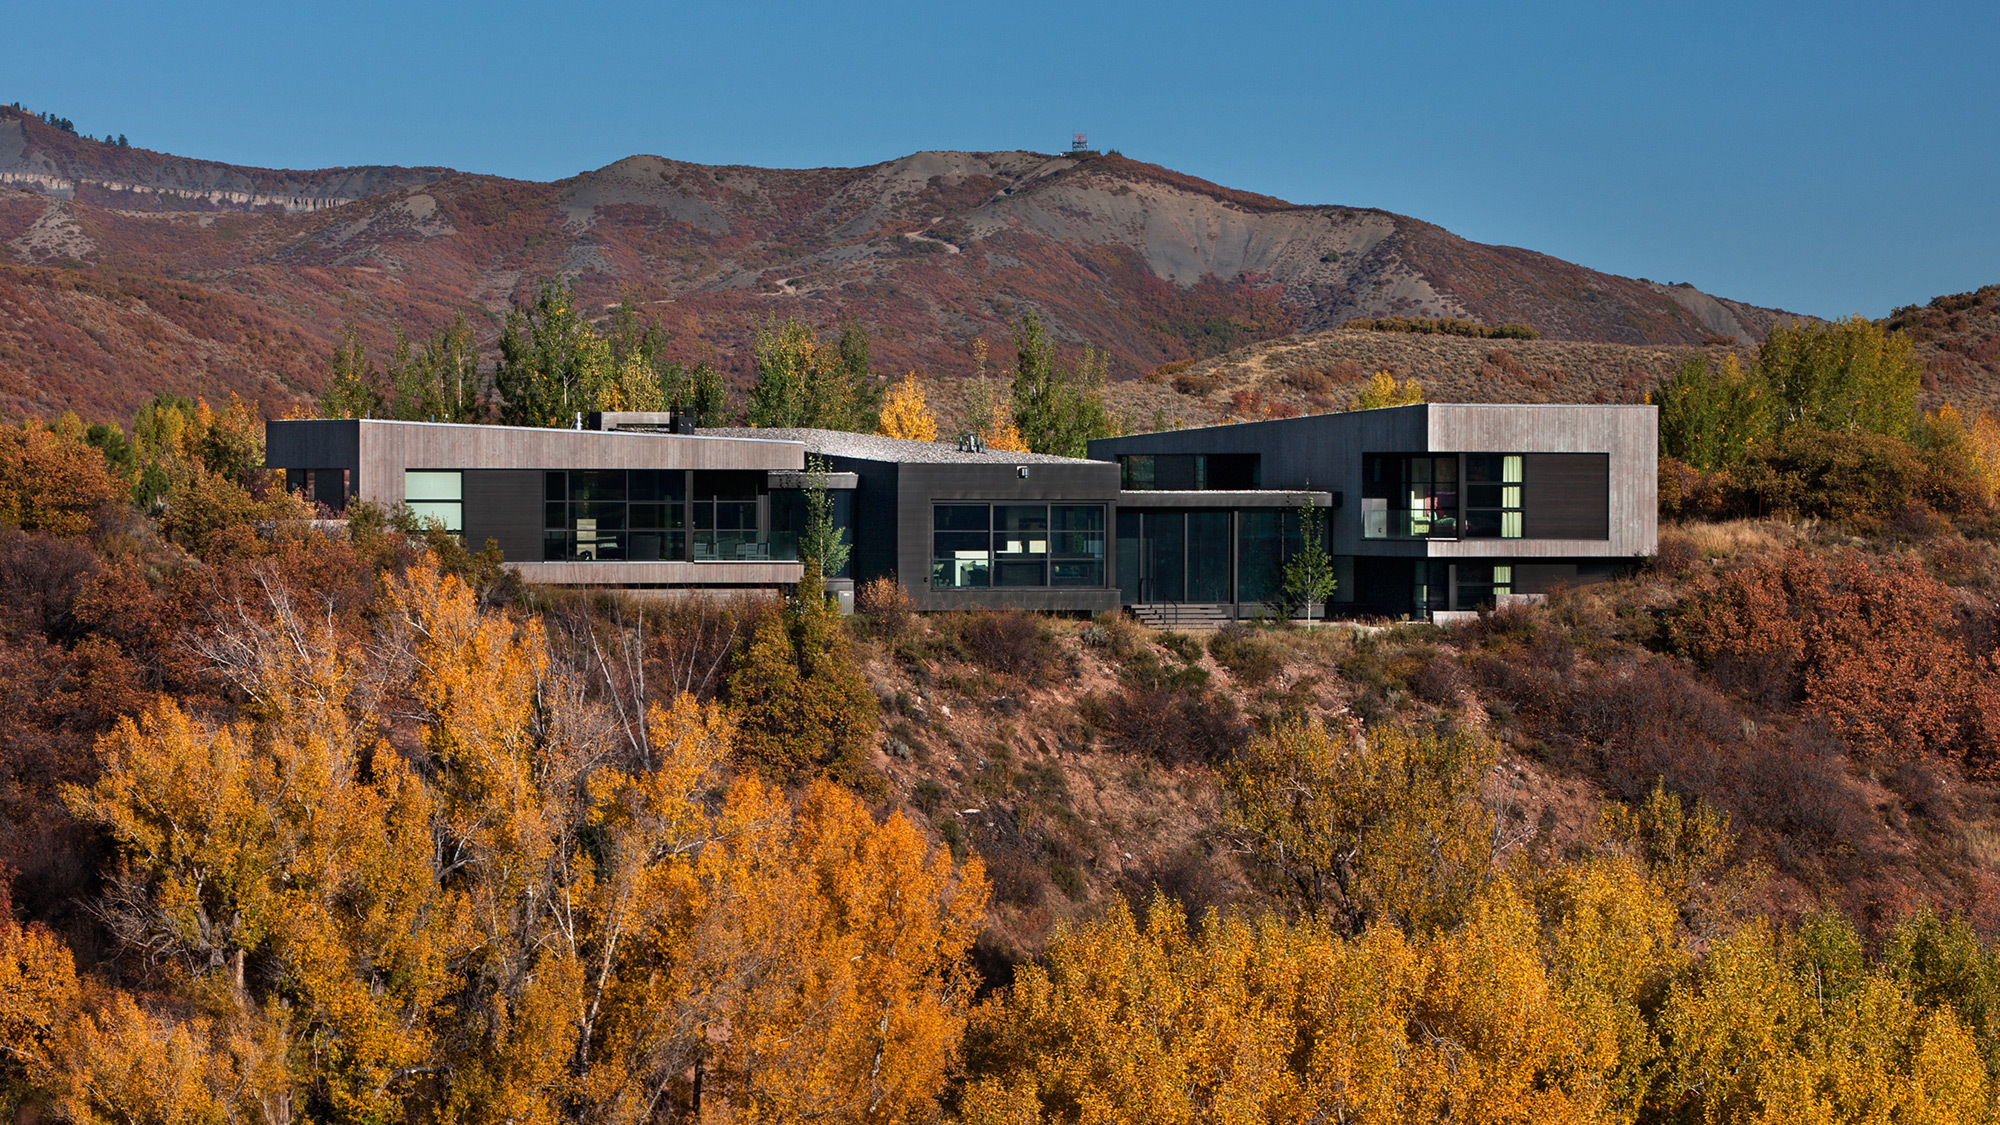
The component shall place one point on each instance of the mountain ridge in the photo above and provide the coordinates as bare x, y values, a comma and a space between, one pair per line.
933, 250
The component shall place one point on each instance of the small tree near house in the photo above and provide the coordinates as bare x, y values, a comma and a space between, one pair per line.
1309, 578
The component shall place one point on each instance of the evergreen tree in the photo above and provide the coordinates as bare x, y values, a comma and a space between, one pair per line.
800, 699
1057, 411
1309, 576
823, 544
552, 365
354, 389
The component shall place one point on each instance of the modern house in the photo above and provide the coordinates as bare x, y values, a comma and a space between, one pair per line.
1426, 508
1435, 508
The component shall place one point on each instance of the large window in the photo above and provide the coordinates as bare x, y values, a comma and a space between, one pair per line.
1189, 472
439, 496
791, 512
1265, 538
604, 515
725, 517
1492, 496
1407, 496
979, 545
1480, 583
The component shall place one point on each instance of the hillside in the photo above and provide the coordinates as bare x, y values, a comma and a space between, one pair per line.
124, 271
1958, 338
1311, 373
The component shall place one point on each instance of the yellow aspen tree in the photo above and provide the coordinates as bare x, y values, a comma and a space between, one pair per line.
1384, 825
905, 415
1004, 435
1497, 1044
1383, 389
1614, 949
1732, 1027
1357, 1000
125, 1066
642, 1007
1148, 1022
261, 840
39, 996
850, 988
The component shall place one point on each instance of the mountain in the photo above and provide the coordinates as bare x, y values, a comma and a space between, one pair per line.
123, 272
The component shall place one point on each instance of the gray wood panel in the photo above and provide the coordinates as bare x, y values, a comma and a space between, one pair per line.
1629, 435
380, 451
1566, 496
759, 574
505, 505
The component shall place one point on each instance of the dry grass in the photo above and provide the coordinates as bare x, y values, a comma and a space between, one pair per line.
1734, 539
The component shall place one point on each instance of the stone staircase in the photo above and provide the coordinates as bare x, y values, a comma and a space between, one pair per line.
1181, 618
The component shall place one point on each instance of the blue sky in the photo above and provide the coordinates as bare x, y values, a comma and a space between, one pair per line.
1826, 158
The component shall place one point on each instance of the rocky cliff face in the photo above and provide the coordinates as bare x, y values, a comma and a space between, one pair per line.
42, 158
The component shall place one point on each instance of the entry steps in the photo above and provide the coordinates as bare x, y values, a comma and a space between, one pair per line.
1186, 618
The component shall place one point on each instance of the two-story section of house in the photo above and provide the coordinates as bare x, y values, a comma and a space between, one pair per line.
1434, 507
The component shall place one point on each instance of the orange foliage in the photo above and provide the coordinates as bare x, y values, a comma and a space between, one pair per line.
1872, 650
50, 480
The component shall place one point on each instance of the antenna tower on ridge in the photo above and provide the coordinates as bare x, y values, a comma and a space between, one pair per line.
1079, 142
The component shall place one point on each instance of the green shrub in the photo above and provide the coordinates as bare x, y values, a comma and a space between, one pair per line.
1181, 645
801, 702
1249, 657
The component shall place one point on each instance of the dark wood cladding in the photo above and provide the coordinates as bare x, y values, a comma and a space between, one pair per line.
920, 485
875, 516
505, 505
1547, 578
1566, 496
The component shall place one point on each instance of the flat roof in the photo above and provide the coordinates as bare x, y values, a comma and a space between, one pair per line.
875, 447
735, 434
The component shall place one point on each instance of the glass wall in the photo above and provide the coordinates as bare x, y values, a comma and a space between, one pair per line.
791, 512
434, 495
1189, 472
647, 515
1479, 583
725, 517
980, 545
1207, 557
607, 515
1406, 496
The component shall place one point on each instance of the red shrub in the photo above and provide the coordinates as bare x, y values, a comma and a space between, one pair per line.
1875, 652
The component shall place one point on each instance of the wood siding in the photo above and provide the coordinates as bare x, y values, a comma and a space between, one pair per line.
1324, 451
920, 485
380, 451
